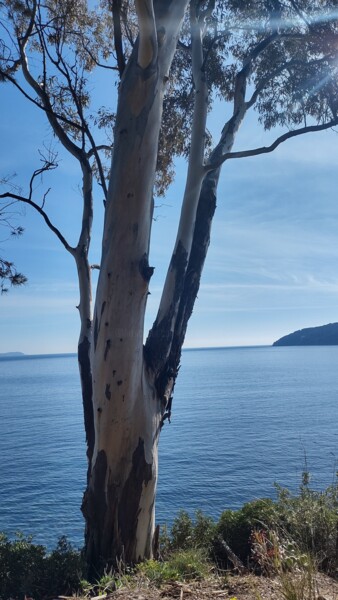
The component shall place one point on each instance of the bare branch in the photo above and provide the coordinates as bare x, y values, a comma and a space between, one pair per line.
44, 215
116, 10
266, 149
92, 151
48, 165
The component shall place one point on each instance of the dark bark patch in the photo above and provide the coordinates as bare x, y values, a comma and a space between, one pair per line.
87, 395
96, 331
119, 382
103, 307
205, 212
160, 336
114, 373
107, 348
98, 490
94, 508
107, 392
89, 324
141, 473
135, 231
144, 268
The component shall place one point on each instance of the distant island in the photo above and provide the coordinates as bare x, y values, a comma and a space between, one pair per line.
12, 354
325, 335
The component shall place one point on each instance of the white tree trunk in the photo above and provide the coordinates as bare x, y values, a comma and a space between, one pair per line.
119, 501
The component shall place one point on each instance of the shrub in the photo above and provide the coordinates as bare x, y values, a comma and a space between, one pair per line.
182, 531
27, 570
187, 533
236, 526
63, 568
310, 519
21, 567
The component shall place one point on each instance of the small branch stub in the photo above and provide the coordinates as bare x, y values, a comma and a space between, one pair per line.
144, 268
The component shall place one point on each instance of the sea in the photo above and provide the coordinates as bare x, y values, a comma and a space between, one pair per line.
243, 419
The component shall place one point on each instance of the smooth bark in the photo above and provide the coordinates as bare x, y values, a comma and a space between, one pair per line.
127, 410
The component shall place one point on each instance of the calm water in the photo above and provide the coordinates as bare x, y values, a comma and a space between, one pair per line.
242, 419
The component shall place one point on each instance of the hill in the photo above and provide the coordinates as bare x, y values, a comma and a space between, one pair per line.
325, 335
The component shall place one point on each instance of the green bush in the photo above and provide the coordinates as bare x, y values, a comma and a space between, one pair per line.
21, 567
182, 531
235, 528
310, 518
27, 570
187, 533
64, 568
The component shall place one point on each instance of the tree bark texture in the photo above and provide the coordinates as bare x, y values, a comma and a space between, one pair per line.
126, 416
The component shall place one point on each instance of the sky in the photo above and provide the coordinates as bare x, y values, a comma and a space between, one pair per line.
272, 266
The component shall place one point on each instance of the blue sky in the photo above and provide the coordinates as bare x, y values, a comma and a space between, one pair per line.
272, 266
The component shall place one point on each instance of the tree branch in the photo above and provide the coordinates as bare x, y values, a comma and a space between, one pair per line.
92, 151
147, 50
36, 103
266, 149
116, 10
41, 93
44, 215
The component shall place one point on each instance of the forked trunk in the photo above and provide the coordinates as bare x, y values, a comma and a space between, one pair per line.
119, 501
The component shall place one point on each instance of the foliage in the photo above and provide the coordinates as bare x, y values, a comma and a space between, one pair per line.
21, 567
311, 520
188, 533
9, 274
63, 568
287, 533
235, 527
180, 565
27, 570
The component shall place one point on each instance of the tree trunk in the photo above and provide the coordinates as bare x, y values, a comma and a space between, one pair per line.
119, 501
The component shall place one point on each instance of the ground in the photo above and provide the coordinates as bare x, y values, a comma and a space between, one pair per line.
249, 587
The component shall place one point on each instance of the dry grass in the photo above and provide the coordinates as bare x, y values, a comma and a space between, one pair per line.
247, 587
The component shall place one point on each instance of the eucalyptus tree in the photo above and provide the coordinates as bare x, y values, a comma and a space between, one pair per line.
172, 58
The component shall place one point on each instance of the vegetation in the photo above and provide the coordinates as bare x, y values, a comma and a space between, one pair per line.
8, 272
26, 569
289, 538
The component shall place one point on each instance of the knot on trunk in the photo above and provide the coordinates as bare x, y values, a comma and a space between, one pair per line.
144, 268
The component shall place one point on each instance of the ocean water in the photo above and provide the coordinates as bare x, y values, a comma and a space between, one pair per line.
243, 418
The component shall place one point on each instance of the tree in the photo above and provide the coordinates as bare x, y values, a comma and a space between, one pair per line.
173, 58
